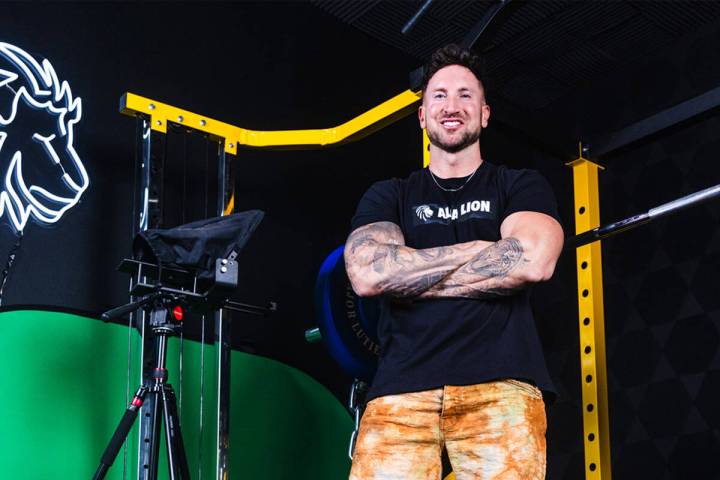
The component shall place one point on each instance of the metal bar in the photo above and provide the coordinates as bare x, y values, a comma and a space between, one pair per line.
250, 309
479, 28
684, 202
148, 412
593, 368
470, 39
222, 327
228, 197
411, 23
629, 223
155, 187
655, 123
354, 129
139, 222
223, 404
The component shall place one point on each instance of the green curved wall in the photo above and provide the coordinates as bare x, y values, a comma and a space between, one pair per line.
65, 377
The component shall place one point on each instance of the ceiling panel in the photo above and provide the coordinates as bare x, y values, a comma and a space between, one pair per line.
535, 50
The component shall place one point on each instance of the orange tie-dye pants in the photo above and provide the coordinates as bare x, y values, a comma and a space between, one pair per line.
492, 431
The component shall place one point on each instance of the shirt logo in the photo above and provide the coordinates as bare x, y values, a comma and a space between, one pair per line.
424, 212
433, 213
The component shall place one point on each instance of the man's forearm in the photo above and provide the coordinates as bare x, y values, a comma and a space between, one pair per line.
495, 271
528, 252
378, 262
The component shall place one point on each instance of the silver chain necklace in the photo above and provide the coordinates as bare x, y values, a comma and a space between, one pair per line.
457, 189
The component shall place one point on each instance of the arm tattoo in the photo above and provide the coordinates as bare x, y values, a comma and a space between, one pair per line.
487, 275
379, 248
497, 260
401, 286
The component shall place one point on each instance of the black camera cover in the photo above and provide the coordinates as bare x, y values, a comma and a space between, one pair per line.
198, 244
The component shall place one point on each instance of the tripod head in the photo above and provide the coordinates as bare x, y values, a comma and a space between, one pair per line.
165, 311
165, 289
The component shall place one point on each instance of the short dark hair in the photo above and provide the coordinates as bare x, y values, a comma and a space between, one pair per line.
451, 54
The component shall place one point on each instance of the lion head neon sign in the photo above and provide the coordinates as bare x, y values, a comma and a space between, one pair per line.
41, 173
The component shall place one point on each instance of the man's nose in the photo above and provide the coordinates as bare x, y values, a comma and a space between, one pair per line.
451, 106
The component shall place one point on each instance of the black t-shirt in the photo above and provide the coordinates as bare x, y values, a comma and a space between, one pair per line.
426, 344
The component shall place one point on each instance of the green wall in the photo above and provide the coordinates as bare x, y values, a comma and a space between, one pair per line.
65, 379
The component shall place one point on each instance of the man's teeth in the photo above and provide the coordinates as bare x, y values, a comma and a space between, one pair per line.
451, 123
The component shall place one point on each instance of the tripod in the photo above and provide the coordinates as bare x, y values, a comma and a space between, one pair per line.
159, 299
165, 402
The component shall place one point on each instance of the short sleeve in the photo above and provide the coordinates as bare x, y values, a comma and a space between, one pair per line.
378, 204
528, 191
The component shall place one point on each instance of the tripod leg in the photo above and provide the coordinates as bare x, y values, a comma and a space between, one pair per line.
177, 459
151, 440
121, 433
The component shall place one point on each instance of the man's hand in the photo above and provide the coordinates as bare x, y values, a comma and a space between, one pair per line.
378, 262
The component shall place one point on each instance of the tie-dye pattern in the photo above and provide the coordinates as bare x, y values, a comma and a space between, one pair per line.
492, 431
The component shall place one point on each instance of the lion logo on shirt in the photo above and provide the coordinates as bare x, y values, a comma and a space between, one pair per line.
424, 212
42, 174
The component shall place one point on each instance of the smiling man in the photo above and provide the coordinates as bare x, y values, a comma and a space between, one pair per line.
452, 250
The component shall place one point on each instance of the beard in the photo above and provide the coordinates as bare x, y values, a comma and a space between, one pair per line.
466, 139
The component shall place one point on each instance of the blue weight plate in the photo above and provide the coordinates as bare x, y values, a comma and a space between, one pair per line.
347, 322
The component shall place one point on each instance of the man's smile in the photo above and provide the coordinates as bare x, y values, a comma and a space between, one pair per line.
451, 123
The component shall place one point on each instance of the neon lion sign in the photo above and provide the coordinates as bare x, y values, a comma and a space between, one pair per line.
41, 172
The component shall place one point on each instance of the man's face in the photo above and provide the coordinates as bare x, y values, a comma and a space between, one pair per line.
453, 109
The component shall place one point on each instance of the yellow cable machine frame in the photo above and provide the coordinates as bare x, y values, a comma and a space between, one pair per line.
354, 129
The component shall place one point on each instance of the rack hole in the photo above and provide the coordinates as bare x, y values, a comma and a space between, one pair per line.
581, 210
591, 437
585, 292
592, 467
590, 407
586, 321
588, 349
583, 265
588, 379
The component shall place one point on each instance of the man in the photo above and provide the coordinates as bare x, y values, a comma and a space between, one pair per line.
452, 249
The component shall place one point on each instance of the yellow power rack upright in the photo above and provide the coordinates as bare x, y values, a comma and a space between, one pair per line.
593, 369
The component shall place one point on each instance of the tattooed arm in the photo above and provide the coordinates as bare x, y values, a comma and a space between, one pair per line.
378, 261
528, 251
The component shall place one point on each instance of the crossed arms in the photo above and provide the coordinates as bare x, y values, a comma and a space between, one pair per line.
378, 261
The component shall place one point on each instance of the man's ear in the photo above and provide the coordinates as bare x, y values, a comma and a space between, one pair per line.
485, 115
421, 116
